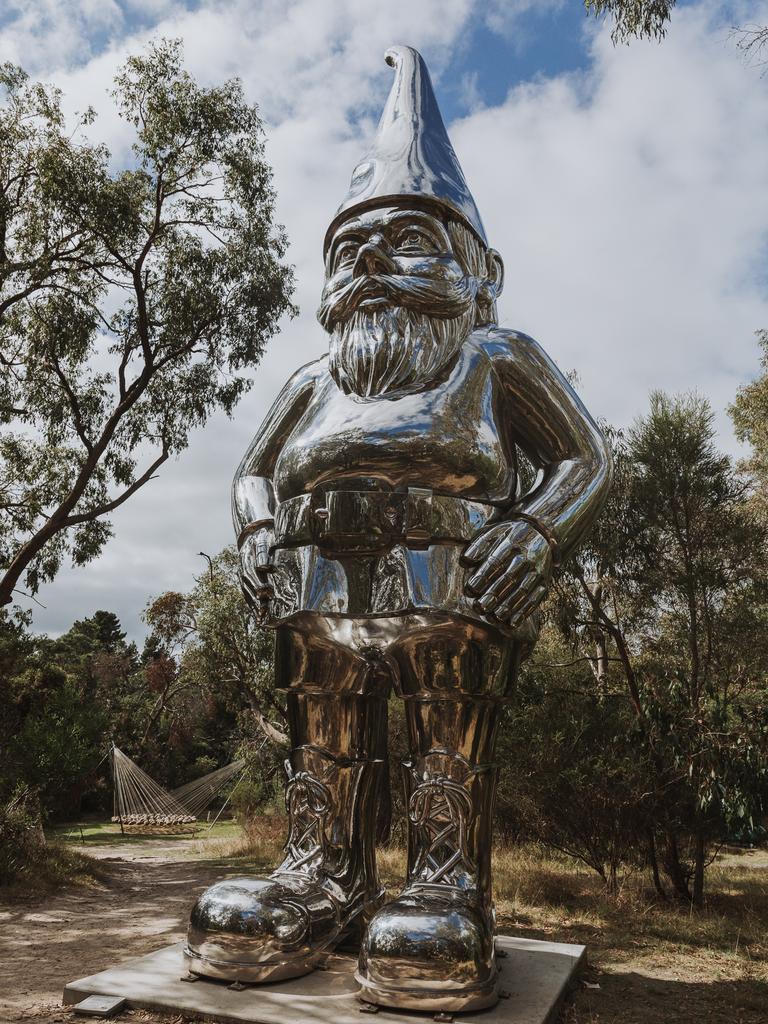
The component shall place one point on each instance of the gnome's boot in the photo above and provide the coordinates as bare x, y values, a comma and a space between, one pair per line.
432, 948
256, 929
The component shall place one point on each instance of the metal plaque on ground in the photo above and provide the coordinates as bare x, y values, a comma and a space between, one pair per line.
100, 1006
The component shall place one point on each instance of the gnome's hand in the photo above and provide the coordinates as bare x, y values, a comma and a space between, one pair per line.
513, 572
256, 571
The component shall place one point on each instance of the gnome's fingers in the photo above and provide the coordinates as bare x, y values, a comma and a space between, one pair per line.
249, 593
519, 593
494, 566
512, 578
517, 613
479, 549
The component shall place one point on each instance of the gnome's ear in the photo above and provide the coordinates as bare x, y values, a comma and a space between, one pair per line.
490, 289
495, 271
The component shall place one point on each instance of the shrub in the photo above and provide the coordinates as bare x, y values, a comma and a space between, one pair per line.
21, 835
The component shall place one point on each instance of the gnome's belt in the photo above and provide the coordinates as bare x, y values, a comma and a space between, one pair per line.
371, 521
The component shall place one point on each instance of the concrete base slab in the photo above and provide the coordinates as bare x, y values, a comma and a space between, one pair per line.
534, 978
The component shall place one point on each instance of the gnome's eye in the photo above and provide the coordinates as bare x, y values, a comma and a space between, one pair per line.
344, 256
414, 241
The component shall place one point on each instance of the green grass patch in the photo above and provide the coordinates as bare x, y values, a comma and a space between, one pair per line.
107, 833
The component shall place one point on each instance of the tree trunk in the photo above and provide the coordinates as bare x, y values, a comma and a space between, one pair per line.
674, 868
275, 736
612, 884
653, 860
698, 871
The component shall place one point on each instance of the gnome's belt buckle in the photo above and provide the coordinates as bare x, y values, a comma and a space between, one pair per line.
371, 521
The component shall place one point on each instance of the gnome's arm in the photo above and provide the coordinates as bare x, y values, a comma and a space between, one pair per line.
560, 438
514, 559
253, 496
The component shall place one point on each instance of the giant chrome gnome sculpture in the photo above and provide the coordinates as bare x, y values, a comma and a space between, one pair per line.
383, 533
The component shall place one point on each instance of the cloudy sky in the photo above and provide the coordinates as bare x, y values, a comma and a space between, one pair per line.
625, 188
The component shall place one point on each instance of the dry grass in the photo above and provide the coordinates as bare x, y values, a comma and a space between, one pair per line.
653, 961
50, 866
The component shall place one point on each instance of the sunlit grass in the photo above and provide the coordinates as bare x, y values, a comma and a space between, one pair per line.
105, 833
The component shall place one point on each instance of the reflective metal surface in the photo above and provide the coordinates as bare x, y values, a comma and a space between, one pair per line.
280, 926
386, 533
411, 155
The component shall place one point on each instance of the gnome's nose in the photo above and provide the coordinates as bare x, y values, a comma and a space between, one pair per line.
372, 258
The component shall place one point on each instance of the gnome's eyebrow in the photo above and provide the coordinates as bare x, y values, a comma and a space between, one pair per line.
351, 231
425, 219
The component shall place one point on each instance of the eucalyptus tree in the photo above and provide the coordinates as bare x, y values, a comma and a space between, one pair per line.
749, 413
634, 18
668, 603
133, 301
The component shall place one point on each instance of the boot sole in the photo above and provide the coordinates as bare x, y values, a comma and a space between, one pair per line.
229, 970
480, 997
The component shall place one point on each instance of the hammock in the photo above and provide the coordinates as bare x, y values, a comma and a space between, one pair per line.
196, 795
139, 800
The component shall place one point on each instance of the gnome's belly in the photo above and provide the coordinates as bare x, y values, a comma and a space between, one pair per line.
447, 439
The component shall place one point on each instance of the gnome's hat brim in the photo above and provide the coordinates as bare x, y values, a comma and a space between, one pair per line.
411, 155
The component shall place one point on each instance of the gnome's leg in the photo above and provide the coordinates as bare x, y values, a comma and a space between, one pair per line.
432, 948
325, 890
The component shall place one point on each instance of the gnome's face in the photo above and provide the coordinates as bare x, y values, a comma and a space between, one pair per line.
399, 300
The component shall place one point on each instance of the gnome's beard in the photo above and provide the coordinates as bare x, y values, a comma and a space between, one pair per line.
393, 349
386, 349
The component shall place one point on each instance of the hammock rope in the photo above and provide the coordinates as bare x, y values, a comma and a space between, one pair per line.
196, 795
139, 800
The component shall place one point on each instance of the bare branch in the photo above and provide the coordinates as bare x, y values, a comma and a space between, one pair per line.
101, 510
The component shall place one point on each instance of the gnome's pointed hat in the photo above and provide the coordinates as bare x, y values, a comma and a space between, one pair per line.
411, 154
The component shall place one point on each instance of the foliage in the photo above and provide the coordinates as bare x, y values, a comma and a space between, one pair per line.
667, 602
749, 413
634, 18
132, 303
251, 797
20, 833
217, 643
226, 661
575, 775
51, 724
199, 695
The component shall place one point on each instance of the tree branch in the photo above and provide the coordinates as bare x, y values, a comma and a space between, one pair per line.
101, 510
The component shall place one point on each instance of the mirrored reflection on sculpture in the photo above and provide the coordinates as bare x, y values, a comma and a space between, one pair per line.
385, 533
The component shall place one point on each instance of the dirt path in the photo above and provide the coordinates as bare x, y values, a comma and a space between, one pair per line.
143, 902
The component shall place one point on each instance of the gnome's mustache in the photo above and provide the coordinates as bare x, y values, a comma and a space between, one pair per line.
442, 299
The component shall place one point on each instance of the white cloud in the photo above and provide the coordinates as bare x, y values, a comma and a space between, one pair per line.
41, 34
628, 203
631, 208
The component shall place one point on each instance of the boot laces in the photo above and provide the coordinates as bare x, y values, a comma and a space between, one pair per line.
440, 810
308, 802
